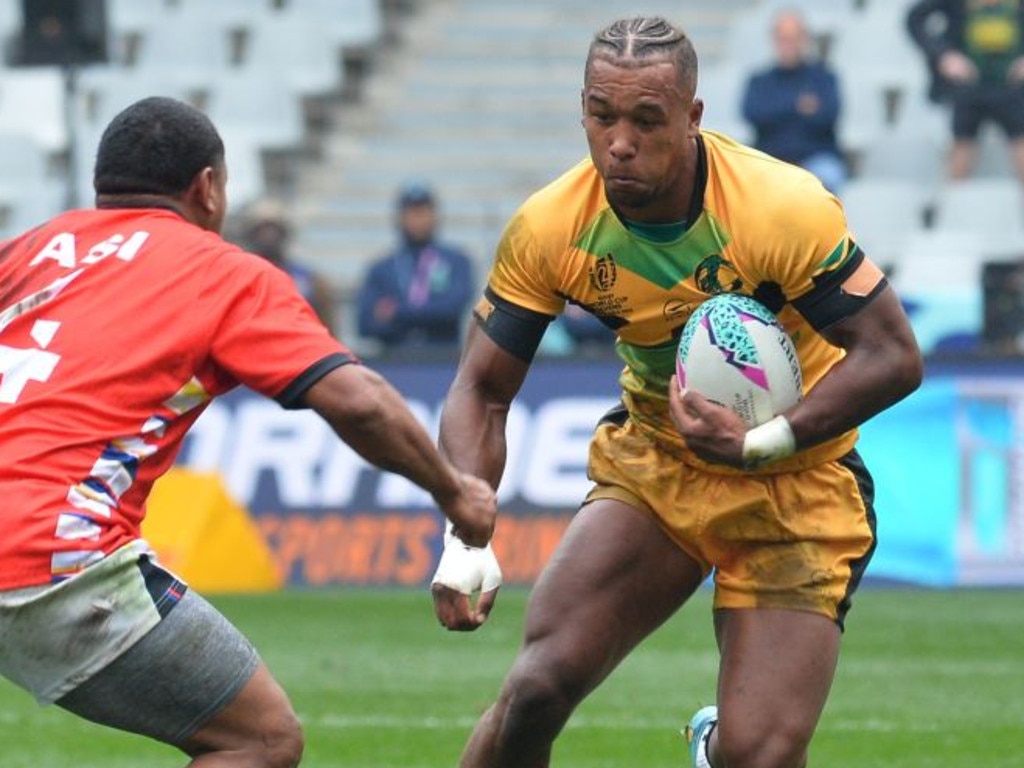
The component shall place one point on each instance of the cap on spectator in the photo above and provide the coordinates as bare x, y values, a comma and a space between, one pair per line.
415, 193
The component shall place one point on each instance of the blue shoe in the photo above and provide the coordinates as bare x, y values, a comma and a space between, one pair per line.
697, 732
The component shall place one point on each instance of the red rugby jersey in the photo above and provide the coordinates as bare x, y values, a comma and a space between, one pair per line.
117, 327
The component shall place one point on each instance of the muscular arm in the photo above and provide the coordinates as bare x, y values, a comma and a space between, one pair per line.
882, 366
476, 409
473, 438
373, 419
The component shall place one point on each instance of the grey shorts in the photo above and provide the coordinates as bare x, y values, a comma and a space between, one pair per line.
171, 682
125, 643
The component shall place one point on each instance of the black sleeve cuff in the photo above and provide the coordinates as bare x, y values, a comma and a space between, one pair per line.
515, 329
291, 396
827, 303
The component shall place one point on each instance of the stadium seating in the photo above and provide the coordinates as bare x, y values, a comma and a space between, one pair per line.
250, 63
874, 45
991, 208
184, 50
939, 279
264, 109
346, 22
882, 213
906, 156
297, 48
29, 192
482, 98
135, 15
32, 104
721, 86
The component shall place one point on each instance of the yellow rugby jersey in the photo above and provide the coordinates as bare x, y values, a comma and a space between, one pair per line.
757, 226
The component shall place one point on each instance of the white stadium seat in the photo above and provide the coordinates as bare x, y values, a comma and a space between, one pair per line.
882, 214
32, 104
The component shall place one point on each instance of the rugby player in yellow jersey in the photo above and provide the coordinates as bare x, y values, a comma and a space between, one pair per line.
661, 216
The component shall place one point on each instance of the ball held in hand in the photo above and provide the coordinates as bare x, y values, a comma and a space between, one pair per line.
734, 351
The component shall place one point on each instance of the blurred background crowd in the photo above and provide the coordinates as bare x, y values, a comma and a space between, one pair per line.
377, 147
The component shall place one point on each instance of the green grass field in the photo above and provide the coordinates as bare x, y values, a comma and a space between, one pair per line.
927, 679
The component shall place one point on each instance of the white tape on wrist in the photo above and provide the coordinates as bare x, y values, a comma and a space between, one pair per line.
466, 569
770, 441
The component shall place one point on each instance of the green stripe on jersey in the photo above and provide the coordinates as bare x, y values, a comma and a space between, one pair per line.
664, 264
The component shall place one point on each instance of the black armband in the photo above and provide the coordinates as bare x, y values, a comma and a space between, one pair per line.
515, 329
834, 297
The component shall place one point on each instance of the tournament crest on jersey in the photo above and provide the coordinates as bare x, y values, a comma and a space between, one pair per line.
603, 273
716, 275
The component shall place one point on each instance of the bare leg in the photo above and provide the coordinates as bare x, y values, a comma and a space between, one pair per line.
961, 159
776, 671
614, 579
258, 729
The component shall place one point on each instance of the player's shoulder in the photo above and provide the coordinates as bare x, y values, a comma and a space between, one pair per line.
220, 263
745, 183
558, 211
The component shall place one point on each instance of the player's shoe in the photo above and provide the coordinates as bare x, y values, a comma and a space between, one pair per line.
697, 732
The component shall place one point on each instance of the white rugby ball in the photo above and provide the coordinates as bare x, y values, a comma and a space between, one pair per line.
735, 352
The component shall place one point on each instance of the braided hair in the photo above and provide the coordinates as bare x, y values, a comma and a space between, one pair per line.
639, 41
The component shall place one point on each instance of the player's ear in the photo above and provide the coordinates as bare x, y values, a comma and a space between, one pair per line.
696, 113
205, 199
204, 190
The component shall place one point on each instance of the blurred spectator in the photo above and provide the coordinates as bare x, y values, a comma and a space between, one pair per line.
266, 232
976, 56
420, 292
793, 105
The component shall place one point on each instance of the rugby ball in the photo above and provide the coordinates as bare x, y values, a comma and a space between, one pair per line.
734, 351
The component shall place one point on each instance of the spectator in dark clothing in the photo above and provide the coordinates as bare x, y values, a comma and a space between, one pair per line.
793, 106
267, 233
419, 293
975, 51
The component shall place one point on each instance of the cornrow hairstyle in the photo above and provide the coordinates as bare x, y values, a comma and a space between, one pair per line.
637, 41
155, 146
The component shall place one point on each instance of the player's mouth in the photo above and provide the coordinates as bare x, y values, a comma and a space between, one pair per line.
624, 182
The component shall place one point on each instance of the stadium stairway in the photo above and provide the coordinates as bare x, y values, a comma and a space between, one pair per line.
480, 99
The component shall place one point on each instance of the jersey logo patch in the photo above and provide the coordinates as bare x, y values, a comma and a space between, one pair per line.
716, 275
603, 273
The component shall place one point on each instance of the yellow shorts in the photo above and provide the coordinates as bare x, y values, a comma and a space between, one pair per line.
798, 540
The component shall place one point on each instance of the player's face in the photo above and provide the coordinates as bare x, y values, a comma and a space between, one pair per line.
641, 128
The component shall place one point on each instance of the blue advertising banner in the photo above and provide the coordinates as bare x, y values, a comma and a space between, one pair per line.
948, 464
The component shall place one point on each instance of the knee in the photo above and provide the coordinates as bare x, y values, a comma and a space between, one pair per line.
538, 696
748, 748
270, 741
284, 743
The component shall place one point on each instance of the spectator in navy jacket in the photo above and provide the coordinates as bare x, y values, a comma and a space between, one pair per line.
793, 105
419, 293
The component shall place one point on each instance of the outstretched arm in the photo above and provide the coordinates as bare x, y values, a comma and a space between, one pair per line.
473, 438
371, 417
